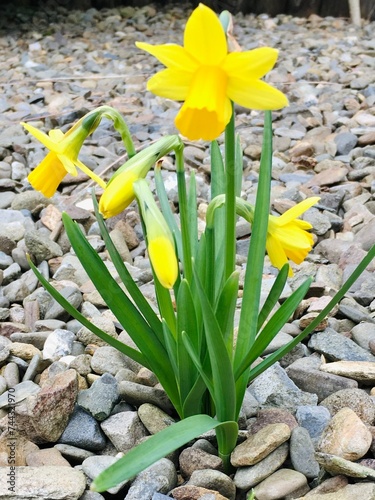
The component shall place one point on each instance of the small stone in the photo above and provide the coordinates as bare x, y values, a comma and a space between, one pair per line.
337, 347
24, 351
302, 453
74, 453
83, 431
100, 398
124, 430
355, 399
338, 465
94, 465
137, 394
214, 480
281, 484
188, 492
314, 419
363, 371
272, 416
159, 477
259, 445
345, 436
44, 482
192, 459
247, 477
48, 456
59, 343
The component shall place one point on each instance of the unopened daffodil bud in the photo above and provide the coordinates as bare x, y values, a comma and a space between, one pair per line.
119, 192
160, 243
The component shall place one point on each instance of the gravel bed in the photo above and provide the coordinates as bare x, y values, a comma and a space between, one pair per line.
307, 423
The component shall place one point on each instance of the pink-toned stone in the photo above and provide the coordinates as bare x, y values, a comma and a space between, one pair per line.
346, 436
188, 492
48, 456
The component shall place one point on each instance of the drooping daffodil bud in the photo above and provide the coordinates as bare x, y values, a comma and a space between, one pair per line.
160, 243
119, 192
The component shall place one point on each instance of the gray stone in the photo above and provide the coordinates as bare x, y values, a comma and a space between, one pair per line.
159, 477
282, 483
338, 347
20, 392
83, 431
100, 398
74, 453
363, 333
306, 374
41, 247
124, 430
55, 310
302, 453
248, 477
44, 483
314, 419
273, 388
58, 344
153, 418
108, 359
136, 394
214, 480
345, 142
94, 465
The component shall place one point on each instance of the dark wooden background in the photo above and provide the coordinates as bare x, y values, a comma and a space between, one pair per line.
302, 8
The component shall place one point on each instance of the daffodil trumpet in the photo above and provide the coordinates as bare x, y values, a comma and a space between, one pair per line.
64, 149
119, 192
160, 243
207, 77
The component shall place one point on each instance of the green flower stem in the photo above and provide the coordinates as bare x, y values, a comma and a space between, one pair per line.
121, 127
230, 198
184, 214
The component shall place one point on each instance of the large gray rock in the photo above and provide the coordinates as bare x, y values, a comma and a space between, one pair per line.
273, 388
160, 477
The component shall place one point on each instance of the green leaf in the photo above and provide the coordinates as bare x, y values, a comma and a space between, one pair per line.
272, 358
217, 171
224, 394
153, 449
225, 309
247, 329
186, 322
139, 299
122, 307
120, 346
274, 295
274, 325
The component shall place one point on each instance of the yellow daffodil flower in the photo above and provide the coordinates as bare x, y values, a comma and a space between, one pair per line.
288, 237
119, 192
62, 158
160, 243
204, 75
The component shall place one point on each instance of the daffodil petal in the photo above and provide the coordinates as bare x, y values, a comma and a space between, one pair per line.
68, 164
251, 64
204, 37
207, 109
56, 135
171, 55
297, 210
170, 83
255, 94
275, 252
47, 175
296, 254
42, 137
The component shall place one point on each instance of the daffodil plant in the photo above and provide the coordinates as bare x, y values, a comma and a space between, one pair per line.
191, 345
